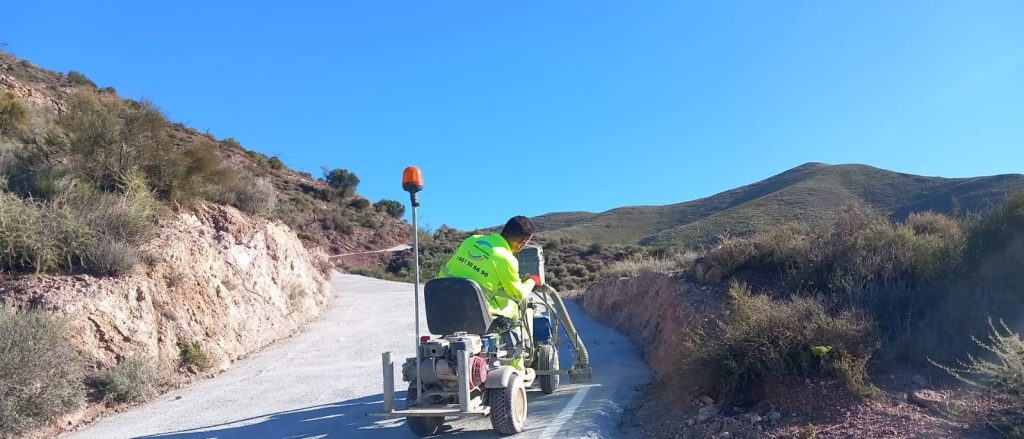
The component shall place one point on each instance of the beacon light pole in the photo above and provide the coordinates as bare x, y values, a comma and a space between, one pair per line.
412, 182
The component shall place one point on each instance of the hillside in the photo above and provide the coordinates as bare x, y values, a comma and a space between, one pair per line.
138, 254
338, 224
862, 327
808, 194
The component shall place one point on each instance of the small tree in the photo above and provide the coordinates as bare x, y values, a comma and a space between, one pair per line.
13, 115
343, 181
231, 142
78, 78
391, 207
275, 163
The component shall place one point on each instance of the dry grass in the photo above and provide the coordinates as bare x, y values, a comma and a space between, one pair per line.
40, 372
250, 194
1000, 368
637, 265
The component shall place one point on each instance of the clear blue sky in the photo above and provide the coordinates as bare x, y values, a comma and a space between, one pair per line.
533, 107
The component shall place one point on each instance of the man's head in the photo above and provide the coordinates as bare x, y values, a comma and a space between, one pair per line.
518, 231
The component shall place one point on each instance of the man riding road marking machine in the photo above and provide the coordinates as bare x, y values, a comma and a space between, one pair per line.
470, 370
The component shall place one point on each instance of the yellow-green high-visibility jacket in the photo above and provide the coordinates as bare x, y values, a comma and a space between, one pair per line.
488, 260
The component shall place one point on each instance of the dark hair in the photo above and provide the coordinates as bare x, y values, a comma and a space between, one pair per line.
519, 227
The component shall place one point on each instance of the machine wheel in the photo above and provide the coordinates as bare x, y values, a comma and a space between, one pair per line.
547, 359
422, 426
508, 407
425, 426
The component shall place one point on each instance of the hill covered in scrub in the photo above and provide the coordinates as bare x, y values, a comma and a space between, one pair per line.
61, 130
138, 254
861, 326
808, 194
583, 247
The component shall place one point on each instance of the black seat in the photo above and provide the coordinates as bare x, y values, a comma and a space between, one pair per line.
455, 305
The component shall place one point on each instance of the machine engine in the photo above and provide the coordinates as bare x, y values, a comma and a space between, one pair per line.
439, 365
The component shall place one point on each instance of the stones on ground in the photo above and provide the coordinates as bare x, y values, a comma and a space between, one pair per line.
706, 413
774, 417
929, 399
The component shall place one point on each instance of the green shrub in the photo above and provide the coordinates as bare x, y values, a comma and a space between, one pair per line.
343, 181
1003, 371
359, 204
760, 337
275, 163
993, 231
339, 222
129, 216
230, 142
92, 135
101, 138
78, 78
786, 250
133, 379
78, 227
369, 221
18, 224
393, 208
41, 237
13, 115
40, 372
193, 356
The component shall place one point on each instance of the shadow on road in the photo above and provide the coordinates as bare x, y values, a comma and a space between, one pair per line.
346, 419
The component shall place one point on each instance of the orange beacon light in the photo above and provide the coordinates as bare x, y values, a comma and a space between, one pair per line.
412, 179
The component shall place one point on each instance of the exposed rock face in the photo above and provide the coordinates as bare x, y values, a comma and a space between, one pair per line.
30, 95
216, 277
654, 310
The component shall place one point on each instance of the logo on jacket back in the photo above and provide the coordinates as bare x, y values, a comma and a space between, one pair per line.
483, 253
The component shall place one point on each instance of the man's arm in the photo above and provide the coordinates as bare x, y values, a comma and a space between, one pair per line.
508, 273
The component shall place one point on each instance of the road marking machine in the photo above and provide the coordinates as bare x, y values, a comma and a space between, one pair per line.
465, 369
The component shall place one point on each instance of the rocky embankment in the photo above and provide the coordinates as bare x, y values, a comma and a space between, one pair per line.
214, 277
657, 311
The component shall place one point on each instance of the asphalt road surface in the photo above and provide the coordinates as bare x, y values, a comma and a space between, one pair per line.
322, 382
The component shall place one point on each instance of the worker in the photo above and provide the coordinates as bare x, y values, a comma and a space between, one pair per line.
490, 261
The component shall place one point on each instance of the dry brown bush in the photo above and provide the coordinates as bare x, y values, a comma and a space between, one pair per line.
40, 372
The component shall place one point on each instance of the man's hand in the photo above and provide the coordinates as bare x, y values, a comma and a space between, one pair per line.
536, 280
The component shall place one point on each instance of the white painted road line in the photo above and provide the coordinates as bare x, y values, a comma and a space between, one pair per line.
565, 414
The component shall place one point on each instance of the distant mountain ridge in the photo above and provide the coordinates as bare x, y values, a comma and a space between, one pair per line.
808, 193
